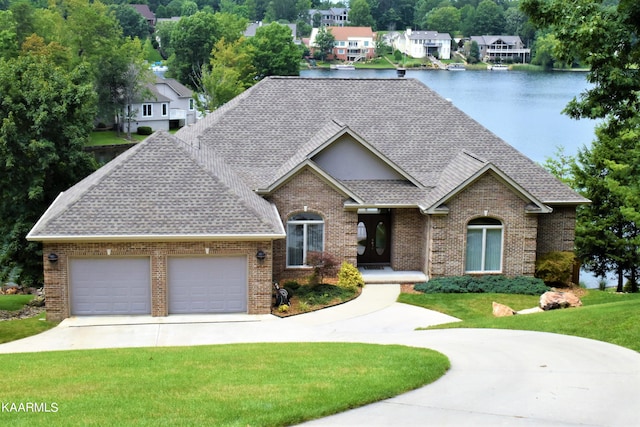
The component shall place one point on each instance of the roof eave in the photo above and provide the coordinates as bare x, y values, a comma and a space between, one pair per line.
543, 208
154, 237
314, 167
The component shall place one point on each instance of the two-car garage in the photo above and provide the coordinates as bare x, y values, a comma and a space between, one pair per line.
122, 285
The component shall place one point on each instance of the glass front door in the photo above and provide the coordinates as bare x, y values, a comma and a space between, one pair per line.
374, 238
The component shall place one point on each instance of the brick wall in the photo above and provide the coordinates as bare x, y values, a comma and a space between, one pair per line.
556, 231
488, 193
408, 240
309, 190
56, 275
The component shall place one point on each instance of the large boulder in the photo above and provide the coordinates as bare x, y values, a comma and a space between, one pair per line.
501, 310
552, 300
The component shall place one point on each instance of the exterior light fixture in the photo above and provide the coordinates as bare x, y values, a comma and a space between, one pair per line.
52, 257
261, 255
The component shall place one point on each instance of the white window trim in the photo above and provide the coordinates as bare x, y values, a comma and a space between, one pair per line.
484, 228
144, 110
165, 109
305, 246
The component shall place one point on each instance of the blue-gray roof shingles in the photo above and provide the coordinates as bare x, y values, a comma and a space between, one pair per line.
159, 189
201, 182
410, 124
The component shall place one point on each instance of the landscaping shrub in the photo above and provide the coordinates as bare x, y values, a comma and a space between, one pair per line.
483, 284
322, 294
349, 277
145, 130
323, 263
555, 268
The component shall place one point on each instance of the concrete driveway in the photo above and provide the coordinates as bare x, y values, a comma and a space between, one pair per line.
497, 377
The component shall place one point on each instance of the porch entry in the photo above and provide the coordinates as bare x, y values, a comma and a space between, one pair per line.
374, 237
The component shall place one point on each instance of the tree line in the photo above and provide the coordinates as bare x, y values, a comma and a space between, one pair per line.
605, 37
68, 65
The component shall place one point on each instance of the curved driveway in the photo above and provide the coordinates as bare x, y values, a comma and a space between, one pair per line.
497, 377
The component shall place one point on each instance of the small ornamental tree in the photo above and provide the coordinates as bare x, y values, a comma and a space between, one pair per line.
323, 263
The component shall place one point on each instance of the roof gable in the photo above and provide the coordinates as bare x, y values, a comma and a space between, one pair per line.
468, 174
275, 125
162, 189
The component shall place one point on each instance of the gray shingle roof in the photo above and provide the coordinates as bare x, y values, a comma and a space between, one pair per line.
407, 122
161, 188
200, 183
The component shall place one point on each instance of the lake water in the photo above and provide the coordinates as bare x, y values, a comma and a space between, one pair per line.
523, 108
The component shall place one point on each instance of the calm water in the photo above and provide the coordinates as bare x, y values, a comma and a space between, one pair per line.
523, 108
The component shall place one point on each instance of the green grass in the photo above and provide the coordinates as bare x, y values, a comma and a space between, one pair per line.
230, 385
110, 137
14, 302
11, 330
604, 316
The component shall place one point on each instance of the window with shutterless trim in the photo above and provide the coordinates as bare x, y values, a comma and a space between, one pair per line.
484, 246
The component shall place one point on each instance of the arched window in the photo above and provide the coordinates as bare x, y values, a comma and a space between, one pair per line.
484, 246
305, 233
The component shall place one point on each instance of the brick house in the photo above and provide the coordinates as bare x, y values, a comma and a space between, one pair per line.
373, 171
351, 43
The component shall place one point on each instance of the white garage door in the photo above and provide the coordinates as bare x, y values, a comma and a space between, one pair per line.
110, 286
207, 285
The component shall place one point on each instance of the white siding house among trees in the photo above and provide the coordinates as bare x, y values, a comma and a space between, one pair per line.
420, 44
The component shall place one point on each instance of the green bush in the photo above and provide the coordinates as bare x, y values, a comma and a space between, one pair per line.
291, 284
323, 294
483, 284
145, 130
349, 277
555, 268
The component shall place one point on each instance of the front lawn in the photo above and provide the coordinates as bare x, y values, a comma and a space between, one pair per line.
604, 316
14, 302
15, 329
110, 137
230, 385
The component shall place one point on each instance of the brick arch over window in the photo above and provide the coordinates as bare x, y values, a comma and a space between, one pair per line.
484, 246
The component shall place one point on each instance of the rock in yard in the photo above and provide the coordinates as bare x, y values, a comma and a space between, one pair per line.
501, 310
553, 300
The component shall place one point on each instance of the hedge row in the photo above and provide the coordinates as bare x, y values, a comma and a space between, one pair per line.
483, 284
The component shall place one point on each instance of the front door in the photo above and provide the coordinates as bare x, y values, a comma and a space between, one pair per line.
374, 238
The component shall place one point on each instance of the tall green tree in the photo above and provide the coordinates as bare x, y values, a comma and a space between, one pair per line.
360, 14
230, 73
275, 53
324, 42
8, 36
132, 22
489, 19
47, 113
120, 80
607, 233
605, 39
604, 36
444, 20
192, 39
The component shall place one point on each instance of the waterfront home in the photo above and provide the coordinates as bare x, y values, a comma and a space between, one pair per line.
381, 173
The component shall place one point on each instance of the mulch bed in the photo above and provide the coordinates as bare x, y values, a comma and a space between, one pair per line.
294, 307
24, 313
